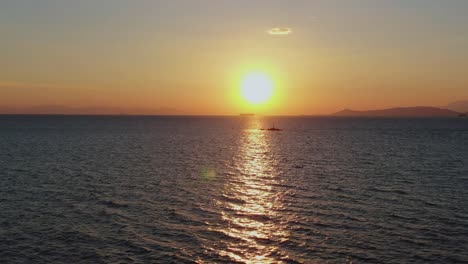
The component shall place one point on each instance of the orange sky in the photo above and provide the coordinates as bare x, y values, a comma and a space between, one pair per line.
178, 55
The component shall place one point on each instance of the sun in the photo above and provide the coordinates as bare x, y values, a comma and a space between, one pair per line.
257, 88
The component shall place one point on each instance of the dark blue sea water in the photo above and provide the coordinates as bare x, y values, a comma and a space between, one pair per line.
219, 190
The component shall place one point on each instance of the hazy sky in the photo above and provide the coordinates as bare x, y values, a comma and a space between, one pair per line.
190, 55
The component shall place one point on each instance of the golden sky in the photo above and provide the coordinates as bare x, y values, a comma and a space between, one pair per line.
322, 56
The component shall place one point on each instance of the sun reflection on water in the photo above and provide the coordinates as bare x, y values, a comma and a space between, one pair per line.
251, 203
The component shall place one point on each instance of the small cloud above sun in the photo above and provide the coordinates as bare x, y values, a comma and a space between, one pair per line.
280, 31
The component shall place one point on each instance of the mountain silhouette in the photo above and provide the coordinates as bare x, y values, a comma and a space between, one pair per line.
459, 106
93, 110
419, 111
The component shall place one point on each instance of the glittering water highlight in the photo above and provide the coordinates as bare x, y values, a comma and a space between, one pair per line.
220, 190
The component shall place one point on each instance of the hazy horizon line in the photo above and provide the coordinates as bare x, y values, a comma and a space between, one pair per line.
57, 109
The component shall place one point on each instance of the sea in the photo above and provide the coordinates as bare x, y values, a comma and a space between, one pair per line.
185, 189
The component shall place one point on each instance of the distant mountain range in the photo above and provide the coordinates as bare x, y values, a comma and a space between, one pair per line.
459, 106
452, 109
421, 111
66, 110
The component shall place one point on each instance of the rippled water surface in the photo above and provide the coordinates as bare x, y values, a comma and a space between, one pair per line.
219, 190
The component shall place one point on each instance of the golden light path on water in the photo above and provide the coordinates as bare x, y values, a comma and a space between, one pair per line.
252, 202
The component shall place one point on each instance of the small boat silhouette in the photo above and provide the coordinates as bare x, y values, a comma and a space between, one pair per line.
273, 128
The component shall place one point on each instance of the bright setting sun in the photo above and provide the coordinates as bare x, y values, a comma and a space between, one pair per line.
169, 131
257, 88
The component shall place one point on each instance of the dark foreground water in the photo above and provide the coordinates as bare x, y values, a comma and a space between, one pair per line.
217, 189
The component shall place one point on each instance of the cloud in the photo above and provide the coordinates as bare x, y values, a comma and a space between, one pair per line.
280, 31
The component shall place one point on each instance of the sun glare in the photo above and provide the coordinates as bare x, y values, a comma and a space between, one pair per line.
256, 88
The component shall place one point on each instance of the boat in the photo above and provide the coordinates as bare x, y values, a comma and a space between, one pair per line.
273, 128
